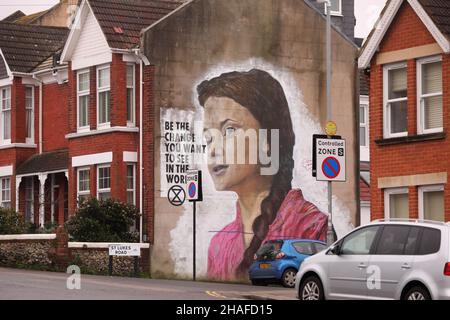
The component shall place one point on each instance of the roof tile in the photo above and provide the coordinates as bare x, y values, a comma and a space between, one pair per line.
131, 16
27, 46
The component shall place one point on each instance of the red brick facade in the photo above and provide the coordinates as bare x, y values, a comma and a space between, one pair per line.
406, 158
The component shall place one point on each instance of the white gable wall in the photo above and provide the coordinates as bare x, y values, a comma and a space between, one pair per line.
91, 48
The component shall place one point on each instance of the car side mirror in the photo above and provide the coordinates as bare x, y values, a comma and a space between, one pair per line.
336, 250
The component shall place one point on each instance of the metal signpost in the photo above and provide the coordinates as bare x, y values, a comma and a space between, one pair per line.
327, 3
194, 194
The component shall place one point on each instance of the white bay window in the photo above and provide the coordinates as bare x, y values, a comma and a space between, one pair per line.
84, 191
83, 94
103, 182
103, 97
5, 192
5, 106
29, 107
131, 95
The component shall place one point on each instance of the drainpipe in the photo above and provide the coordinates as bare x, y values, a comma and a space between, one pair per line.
141, 144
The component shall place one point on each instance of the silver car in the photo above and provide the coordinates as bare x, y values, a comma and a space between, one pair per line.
388, 259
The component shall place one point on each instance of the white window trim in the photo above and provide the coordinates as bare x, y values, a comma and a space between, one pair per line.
82, 94
99, 191
134, 182
422, 190
105, 125
420, 112
132, 123
85, 192
2, 201
4, 141
386, 115
387, 194
365, 106
335, 13
30, 140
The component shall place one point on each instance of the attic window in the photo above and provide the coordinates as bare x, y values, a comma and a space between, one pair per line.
118, 30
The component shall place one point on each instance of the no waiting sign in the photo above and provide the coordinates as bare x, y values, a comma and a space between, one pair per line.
331, 156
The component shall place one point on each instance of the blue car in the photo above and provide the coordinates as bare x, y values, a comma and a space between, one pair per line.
278, 261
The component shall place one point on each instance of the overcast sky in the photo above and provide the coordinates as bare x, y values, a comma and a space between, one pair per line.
366, 11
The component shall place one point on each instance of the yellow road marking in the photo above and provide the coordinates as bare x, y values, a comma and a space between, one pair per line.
215, 295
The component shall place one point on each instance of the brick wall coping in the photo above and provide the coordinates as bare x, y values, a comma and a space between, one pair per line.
102, 245
19, 237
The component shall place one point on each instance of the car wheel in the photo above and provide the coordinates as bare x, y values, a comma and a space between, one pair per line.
288, 279
260, 283
417, 293
311, 289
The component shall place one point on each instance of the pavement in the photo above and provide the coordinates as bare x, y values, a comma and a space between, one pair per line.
36, 285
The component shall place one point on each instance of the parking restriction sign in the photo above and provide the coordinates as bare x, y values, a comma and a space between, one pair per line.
331, 160
194, 186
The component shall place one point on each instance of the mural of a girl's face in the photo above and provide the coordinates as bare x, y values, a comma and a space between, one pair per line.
231, 119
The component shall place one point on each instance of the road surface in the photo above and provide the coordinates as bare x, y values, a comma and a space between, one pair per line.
36, 285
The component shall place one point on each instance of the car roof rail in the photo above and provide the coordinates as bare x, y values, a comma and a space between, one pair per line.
412, 220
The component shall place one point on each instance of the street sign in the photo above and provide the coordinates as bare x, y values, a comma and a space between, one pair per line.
314, 160
194, 186
125, 250
331, 160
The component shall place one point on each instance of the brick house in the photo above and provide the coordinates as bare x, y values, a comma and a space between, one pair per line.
91, 88
29, 79
407, 59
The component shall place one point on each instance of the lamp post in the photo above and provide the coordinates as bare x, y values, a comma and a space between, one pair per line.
327, 3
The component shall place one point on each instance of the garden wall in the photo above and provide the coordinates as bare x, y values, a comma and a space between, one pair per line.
53, 252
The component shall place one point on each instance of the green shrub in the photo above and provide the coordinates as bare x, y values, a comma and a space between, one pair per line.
103, 221
12, 222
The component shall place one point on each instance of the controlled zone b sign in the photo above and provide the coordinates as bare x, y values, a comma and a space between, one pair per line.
331, 160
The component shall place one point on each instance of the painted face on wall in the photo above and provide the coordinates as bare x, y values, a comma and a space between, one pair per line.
227, 121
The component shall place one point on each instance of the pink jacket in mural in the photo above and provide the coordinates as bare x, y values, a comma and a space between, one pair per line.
296, 219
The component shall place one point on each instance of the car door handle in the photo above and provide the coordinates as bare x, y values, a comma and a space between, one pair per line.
362, 266
406, 266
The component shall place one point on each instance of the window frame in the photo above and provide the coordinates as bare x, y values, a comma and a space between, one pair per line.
105, 125
365, 125
387, 194
134, 183
335, 13
101, 191
29, 140
3, 201
424, 189
386, 102
420, 96
84, 192
4, 141
132, 123
80, 94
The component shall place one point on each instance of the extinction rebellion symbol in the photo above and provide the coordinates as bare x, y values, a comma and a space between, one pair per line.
176, 196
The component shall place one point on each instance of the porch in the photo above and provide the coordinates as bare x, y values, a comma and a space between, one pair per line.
42, 188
